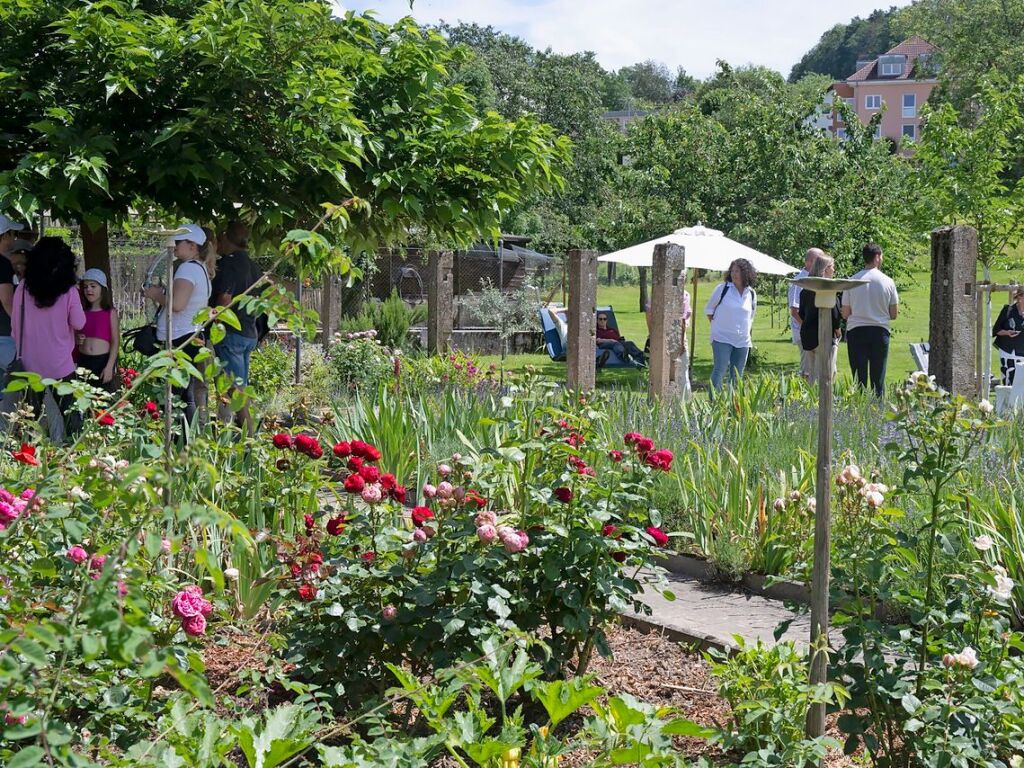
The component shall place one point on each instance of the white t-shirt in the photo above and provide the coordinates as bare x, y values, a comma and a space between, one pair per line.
733, 317
870, 303
794, 303
182, 322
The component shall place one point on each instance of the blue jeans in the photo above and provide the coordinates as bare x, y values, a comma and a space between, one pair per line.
234, 352
727, 357
8, 352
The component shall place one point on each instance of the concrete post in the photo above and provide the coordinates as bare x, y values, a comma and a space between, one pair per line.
953, 322
440, 301
582, 320
666, 319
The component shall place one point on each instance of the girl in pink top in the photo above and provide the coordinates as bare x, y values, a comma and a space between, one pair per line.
99, 340
46, 312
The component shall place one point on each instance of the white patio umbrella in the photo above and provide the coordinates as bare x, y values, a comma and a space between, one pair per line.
706, 248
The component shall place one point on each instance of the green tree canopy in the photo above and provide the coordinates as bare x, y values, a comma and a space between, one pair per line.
838, 50
192, 107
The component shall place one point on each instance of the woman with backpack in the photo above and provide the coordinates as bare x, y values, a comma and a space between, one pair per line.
730, 310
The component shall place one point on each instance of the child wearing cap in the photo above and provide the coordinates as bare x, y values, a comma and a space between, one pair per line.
100, 339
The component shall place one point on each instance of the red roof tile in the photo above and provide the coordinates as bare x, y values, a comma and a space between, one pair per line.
911, 48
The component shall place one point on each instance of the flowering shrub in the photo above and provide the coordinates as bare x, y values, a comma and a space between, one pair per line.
359, 361
456, 369
515, 536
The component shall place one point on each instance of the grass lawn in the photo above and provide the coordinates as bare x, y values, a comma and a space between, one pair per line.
775, 351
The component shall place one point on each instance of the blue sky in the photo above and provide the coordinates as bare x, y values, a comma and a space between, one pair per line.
691, 33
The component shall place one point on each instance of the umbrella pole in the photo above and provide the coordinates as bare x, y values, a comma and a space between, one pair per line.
693, 325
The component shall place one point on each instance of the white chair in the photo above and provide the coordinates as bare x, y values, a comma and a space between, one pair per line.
1009, 399
920, 352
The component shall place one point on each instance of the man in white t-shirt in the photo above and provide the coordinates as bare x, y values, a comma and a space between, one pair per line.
806, 357
868, 311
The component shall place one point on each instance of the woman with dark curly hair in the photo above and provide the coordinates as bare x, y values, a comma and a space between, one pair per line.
730, 310
47, 311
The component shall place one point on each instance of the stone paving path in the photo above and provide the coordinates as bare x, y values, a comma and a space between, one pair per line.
709, 615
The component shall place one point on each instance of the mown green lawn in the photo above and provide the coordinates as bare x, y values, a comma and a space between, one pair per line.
774, 350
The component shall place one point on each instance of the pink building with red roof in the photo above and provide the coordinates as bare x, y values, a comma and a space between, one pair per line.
900, 80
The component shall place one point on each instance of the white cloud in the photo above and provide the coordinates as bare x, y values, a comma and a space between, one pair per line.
691, 33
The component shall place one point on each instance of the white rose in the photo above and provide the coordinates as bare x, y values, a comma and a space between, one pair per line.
986, 407
231, 573
983, 543
874, 499
1003, 589
968, 658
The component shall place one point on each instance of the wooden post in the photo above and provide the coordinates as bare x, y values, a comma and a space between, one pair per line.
582, 321
327, 318
952, 323
692, 351
440, 301
824, 301
666, 318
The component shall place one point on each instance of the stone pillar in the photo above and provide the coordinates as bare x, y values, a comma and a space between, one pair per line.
440, 301
666, 319
582, 320
953, 320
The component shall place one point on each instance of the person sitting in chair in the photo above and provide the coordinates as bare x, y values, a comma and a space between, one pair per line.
609, 340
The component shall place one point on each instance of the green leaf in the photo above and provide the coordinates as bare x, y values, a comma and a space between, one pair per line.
560, 698
26, 757
683, 727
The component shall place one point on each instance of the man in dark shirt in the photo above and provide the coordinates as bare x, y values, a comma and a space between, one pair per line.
10, 231
609, 340
235, 275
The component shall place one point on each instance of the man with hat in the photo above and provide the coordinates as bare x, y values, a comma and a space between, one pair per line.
10, 232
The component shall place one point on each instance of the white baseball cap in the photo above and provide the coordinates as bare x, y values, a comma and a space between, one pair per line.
192, 232
8, 224
96, 275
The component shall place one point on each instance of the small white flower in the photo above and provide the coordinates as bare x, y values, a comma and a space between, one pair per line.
78, 493
261, 537
812, 505
983, 543
1003, 589
874, 499
231, 573
968, 658
986, 407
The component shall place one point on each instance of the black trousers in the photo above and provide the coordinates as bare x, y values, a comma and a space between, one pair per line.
869, 353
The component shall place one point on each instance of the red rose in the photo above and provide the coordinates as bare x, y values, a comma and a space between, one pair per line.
387, 481
659, 536
563, 494
615, 456
151, 409
315, 451
661, 459
472, 497
371, 453
27, 455
355, 463
354, 484
342, 450
281, 440
398, 493
563, 423
309, 522
295, 568
608, 530
644, 446
307, 593
368, 557
631, 437
420, 515
357, 447
106, 419
369, 473
316, 557
336, 525
575, 439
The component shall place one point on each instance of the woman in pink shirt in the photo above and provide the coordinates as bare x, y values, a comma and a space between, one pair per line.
46, 312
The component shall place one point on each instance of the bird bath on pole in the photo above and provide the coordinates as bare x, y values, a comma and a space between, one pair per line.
825, 291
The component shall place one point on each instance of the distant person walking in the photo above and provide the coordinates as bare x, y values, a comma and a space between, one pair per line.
9, 234
794, 311
100, 339
869, 311
730, 310
236, 274
822, 266
1009, 336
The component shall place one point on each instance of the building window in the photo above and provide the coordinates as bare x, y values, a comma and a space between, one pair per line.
910, 105
873, 102
909, 131
892, 69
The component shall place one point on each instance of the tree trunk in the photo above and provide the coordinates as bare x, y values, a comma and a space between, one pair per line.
96, 247
643, 289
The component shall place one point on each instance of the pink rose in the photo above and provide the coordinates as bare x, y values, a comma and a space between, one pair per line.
194, 625
190, 602
77, 555
122, 589
372, 494
486, 518
165, 546
444, 470
389, 612
487, 533
419, 535
445, 489
429, 491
